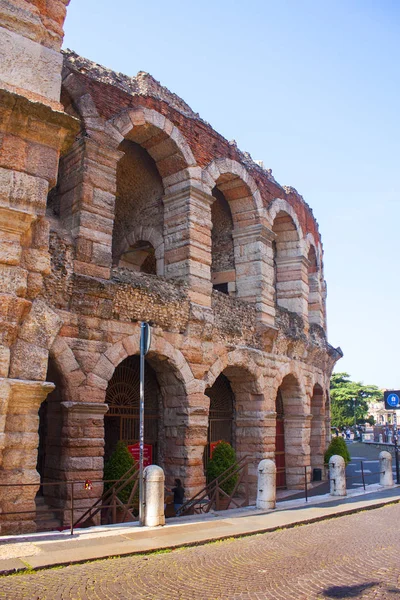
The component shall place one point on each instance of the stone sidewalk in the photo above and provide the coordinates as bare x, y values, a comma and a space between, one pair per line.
41, 550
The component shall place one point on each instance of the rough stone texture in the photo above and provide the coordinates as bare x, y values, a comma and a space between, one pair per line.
150, 208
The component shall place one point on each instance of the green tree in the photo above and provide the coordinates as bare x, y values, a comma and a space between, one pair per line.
120, 462
348, 396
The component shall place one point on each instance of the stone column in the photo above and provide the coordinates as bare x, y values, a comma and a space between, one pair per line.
186, 426
20, 402
297, 450
82, 455
315, 305
292, 283
187, 238
317, 438
254, 434
254, 267
87, 199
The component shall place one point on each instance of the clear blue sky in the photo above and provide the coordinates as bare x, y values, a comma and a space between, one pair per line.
311, 87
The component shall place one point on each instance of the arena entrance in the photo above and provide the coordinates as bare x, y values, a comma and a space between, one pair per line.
121, 422
220, 424
280, 443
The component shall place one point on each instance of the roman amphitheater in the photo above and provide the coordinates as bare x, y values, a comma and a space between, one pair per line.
118, 205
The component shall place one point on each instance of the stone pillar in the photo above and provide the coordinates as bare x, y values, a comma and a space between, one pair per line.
337, 475
186, 426
315, 303
82, 455
297, 450
266, 489
19, 421
254, 267
187, 238
385, 468
254, 433
292, 284
87, 198
154, 496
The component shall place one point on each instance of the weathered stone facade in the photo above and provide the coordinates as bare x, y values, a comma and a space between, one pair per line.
149, 209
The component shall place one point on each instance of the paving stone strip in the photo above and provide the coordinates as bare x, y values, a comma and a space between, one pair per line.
355, 556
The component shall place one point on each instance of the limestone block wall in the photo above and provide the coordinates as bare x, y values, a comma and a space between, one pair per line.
33, 131
139, 171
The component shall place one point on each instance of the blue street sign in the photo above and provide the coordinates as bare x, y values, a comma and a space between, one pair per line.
392, 400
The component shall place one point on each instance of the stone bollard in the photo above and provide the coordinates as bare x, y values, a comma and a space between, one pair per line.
337, 475
154, 496
385, 468
390, 436
380, 438
266, 484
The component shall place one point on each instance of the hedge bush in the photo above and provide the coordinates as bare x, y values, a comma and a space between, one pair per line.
337, 446
121, 460
223, 457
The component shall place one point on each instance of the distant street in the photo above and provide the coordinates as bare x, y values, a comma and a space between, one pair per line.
356, 556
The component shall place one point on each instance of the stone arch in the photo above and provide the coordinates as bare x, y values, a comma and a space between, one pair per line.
236, 358
146, 234
238, 187
250, 422
129, 346
280, 205
179, 436
289, 260
82, 105
236, 213
66, 363
156, 134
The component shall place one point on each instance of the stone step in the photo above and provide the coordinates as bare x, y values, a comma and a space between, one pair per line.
48, 525
46, 518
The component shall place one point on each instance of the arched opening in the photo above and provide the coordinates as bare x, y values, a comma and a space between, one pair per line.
280, 443
318, 429
138, 205
287, 266
166, 415
121, 422
220, 423
49, 463
140, 257
237, 395
296, 431
222, 248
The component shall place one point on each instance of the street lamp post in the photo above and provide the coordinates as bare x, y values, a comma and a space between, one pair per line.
145, 340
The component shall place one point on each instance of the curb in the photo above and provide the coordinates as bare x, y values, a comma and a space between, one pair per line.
27, 568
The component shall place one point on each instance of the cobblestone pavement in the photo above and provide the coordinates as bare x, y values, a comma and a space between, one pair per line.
356, 556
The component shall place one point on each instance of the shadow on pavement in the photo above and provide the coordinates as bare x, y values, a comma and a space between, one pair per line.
348, 591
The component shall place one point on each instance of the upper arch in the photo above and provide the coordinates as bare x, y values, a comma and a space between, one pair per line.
280, 205
235, 183
156, 134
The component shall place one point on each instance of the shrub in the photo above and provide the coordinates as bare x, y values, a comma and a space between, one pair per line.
223, 457
337, 446
121, 460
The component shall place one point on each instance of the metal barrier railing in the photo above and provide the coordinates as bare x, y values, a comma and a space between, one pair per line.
363, 474
283, 471
108, 501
